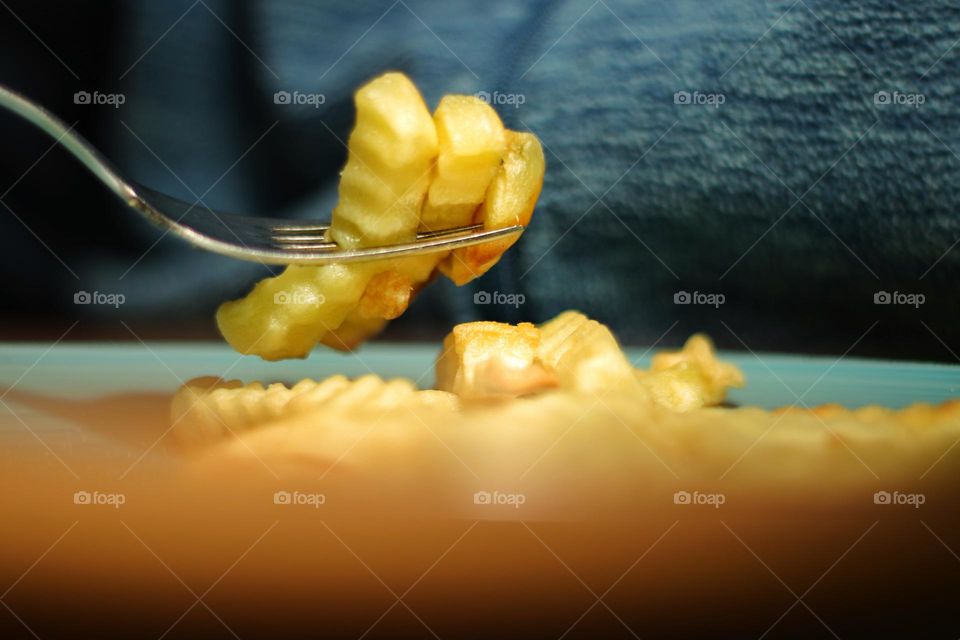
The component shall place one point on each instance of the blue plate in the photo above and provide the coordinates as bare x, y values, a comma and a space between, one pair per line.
85, 370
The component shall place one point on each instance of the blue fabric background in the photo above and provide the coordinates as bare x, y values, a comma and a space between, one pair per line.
694, 198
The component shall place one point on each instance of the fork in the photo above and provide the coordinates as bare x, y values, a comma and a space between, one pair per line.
253, 238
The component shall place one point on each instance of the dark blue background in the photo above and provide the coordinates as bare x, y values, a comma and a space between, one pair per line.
693, 198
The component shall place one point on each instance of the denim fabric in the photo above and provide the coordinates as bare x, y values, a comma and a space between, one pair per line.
644, 197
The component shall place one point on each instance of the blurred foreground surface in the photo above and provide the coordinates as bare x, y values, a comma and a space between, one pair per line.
110, 529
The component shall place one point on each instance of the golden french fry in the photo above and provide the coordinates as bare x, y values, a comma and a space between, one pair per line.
584, 354
405, 170
698, 355
472, 142
491, 359
510, 200
391, 152
574, 353
206, 410
392, 149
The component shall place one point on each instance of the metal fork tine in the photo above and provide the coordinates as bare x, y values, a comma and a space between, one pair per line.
294, 230
446, 232
303, 240
299, 228
320, 253
318, 248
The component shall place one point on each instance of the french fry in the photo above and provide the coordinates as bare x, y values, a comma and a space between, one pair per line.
392, 149
406, 170
510, 200
207, 410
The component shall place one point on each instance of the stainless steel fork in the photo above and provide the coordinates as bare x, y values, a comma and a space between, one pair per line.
258, 239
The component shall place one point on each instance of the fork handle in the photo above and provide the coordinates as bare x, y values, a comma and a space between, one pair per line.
71, 140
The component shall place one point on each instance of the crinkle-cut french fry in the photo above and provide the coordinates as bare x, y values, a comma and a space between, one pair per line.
391, 152
680, 388
352, 332
206, 410
698, 354
385, 297
472, 142
575, 353
285, 316
482, 359
806, 454
446, 216
492, 359
584, 354
510, 200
